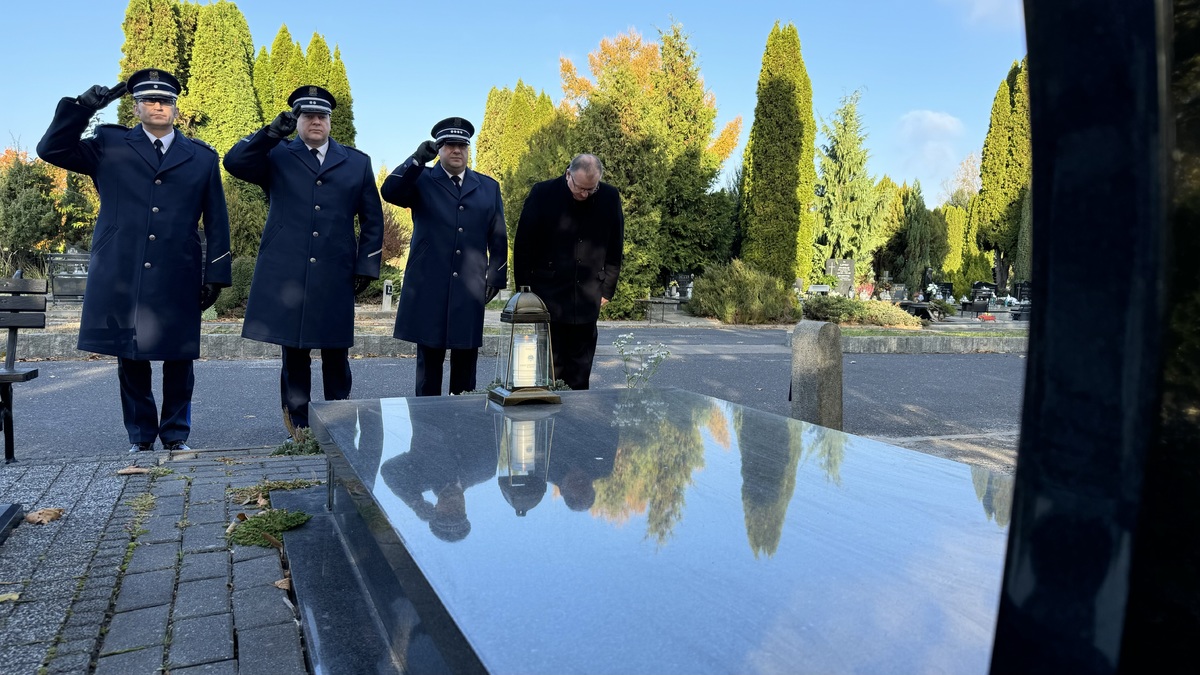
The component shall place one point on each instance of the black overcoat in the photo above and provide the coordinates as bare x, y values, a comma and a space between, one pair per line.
143, 289
459, 247
303, 290
569, 252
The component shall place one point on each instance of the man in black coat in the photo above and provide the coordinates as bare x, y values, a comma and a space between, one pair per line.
310, 264
148, 279
568, 250
458, 255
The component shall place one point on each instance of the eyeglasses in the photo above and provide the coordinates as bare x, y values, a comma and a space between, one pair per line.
151, 100
587, 192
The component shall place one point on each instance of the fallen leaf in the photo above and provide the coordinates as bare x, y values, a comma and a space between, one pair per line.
232, 527
13, 597
272, 541
262, 502
283, 584
131, 470
241, 517
43, 516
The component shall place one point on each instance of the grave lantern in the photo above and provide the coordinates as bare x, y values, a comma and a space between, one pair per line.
525, 366
524, 437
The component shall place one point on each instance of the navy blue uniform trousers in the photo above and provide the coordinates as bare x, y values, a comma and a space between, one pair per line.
295, 380
142, 420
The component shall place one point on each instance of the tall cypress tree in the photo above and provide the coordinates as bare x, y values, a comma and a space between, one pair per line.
1004, 171
281, 55
342, 121
151, 41
221, 101
491, 131
187, 13
956, 232
919, 229
845, 191
264, 85
1023, 260
519, 125
319, 62
778, 175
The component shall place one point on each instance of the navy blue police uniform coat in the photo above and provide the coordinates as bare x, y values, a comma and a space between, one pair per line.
303, 290
459, 248
143, 288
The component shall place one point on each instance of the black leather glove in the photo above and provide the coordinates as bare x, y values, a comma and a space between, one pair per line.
426, 152
490, 293
208, 295
99, 96
283, 125
361, 283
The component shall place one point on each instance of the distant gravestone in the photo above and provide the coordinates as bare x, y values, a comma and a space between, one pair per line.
899, 292
947, 291
844, 271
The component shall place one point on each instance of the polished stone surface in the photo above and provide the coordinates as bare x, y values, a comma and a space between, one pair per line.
665, 531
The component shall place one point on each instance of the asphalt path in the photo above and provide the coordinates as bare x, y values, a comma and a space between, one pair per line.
962, 406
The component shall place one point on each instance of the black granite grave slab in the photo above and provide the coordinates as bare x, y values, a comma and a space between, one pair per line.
664, 531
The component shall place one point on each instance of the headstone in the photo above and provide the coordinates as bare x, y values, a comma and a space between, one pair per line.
1023, 291
844, 271
899, 292
816, 391
947, 290
818, 289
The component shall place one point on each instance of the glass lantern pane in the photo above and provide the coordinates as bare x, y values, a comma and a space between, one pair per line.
524, 356
503, 358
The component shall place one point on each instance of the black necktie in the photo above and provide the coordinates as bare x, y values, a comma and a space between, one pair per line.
158, 147
316, 154
457, 181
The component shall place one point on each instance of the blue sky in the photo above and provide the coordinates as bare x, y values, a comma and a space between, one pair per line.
928, 68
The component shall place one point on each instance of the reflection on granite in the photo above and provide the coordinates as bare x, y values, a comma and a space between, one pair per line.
665, 531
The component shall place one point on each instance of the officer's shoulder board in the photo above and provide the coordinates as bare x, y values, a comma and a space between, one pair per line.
202, 144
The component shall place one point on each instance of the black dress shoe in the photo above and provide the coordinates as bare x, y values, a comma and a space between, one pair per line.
142, 447
176, 446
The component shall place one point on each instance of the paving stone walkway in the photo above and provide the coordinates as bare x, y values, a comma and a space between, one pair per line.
138, 577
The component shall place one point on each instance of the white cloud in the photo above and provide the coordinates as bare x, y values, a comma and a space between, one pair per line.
927, 144
994, 12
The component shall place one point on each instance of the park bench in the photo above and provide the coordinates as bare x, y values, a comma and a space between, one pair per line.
68, 276
22, 305
662, 304
976, 306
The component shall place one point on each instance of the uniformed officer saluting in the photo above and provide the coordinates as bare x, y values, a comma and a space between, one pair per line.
310, 265
147, 280
459, 252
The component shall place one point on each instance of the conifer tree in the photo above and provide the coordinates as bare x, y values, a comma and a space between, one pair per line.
775, 218
264, 85
918, 252
519, 125
491, 131
1023, 260
342, 120
1004, 171
187, 13
956, 233
295, 73
221, 102
845, 191
887, 229
319, 63
151, 41
281, 55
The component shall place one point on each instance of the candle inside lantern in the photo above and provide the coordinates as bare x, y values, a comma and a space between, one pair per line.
524, 362
522, 447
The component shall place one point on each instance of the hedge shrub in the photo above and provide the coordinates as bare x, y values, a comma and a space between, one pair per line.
849, 311
739, 294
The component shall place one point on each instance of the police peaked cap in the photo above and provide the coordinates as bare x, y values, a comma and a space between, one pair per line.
312, 99
153, 83
453, 130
